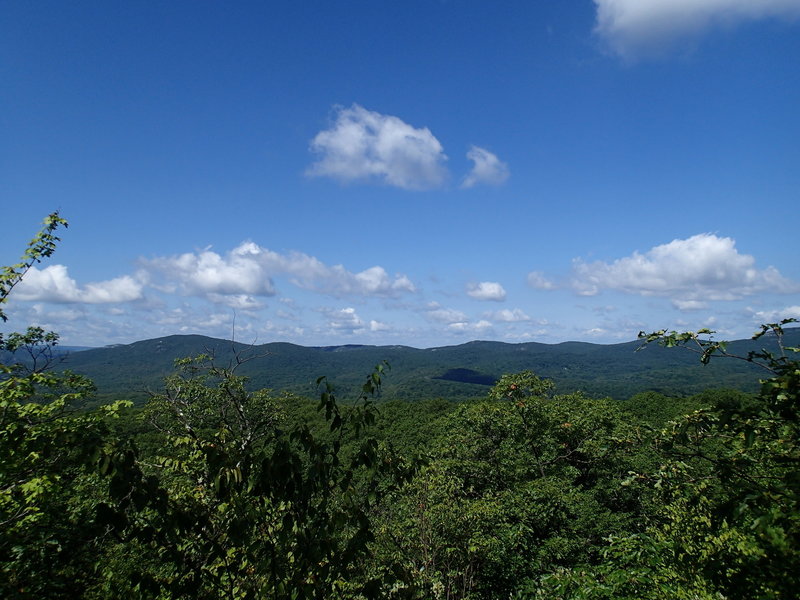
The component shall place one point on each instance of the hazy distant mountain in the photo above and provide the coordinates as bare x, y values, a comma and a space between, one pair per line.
461, 371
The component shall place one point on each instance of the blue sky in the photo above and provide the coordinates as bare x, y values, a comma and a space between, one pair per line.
420, 172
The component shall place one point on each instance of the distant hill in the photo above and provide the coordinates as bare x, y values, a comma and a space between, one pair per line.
454, 372
57, 352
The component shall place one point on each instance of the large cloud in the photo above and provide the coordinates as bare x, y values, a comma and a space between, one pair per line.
635, 28
364, 145
248, 269
241, 271
53, 284
486, 168
702, 267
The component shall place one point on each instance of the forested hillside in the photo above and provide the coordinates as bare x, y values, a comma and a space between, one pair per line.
453, 372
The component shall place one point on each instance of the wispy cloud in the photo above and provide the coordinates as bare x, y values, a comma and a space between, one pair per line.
536, 279
641, 28
508, 316
481, 326
687, 305
486, 168
702, 267
364, 145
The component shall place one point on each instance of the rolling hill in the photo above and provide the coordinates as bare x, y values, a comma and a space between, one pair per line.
454, 372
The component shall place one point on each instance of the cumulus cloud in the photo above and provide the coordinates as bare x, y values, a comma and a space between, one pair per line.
53, 284
702, 267
240, 272
364, 145
486, 168
248, 271
486, 290
636, 28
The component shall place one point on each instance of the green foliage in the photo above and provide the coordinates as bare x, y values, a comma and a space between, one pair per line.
40, 247
517, 485
253, 510
412, 428
725, 520
49, 454
655, 410
521, 388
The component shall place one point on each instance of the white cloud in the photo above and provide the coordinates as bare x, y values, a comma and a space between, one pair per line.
72, 313
309, 273
445, 315
466, 327
525, 336
378, 326
702, 267
773, 316
248, 269
536, 279
345, 319
53, 284
636, 28
509, 316
211, 322
241, 272
364, 145
595, 332
236, 301
486, 168
486, 290
689, 304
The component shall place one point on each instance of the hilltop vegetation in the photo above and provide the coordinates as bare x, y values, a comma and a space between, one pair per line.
454, 372
217, 488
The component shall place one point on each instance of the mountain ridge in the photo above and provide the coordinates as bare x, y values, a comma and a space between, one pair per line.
616, 370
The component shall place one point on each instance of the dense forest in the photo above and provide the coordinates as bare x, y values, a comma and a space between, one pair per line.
215, 488
463, 372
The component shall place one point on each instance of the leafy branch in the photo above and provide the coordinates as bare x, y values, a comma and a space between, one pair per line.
40, 247
706, 347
